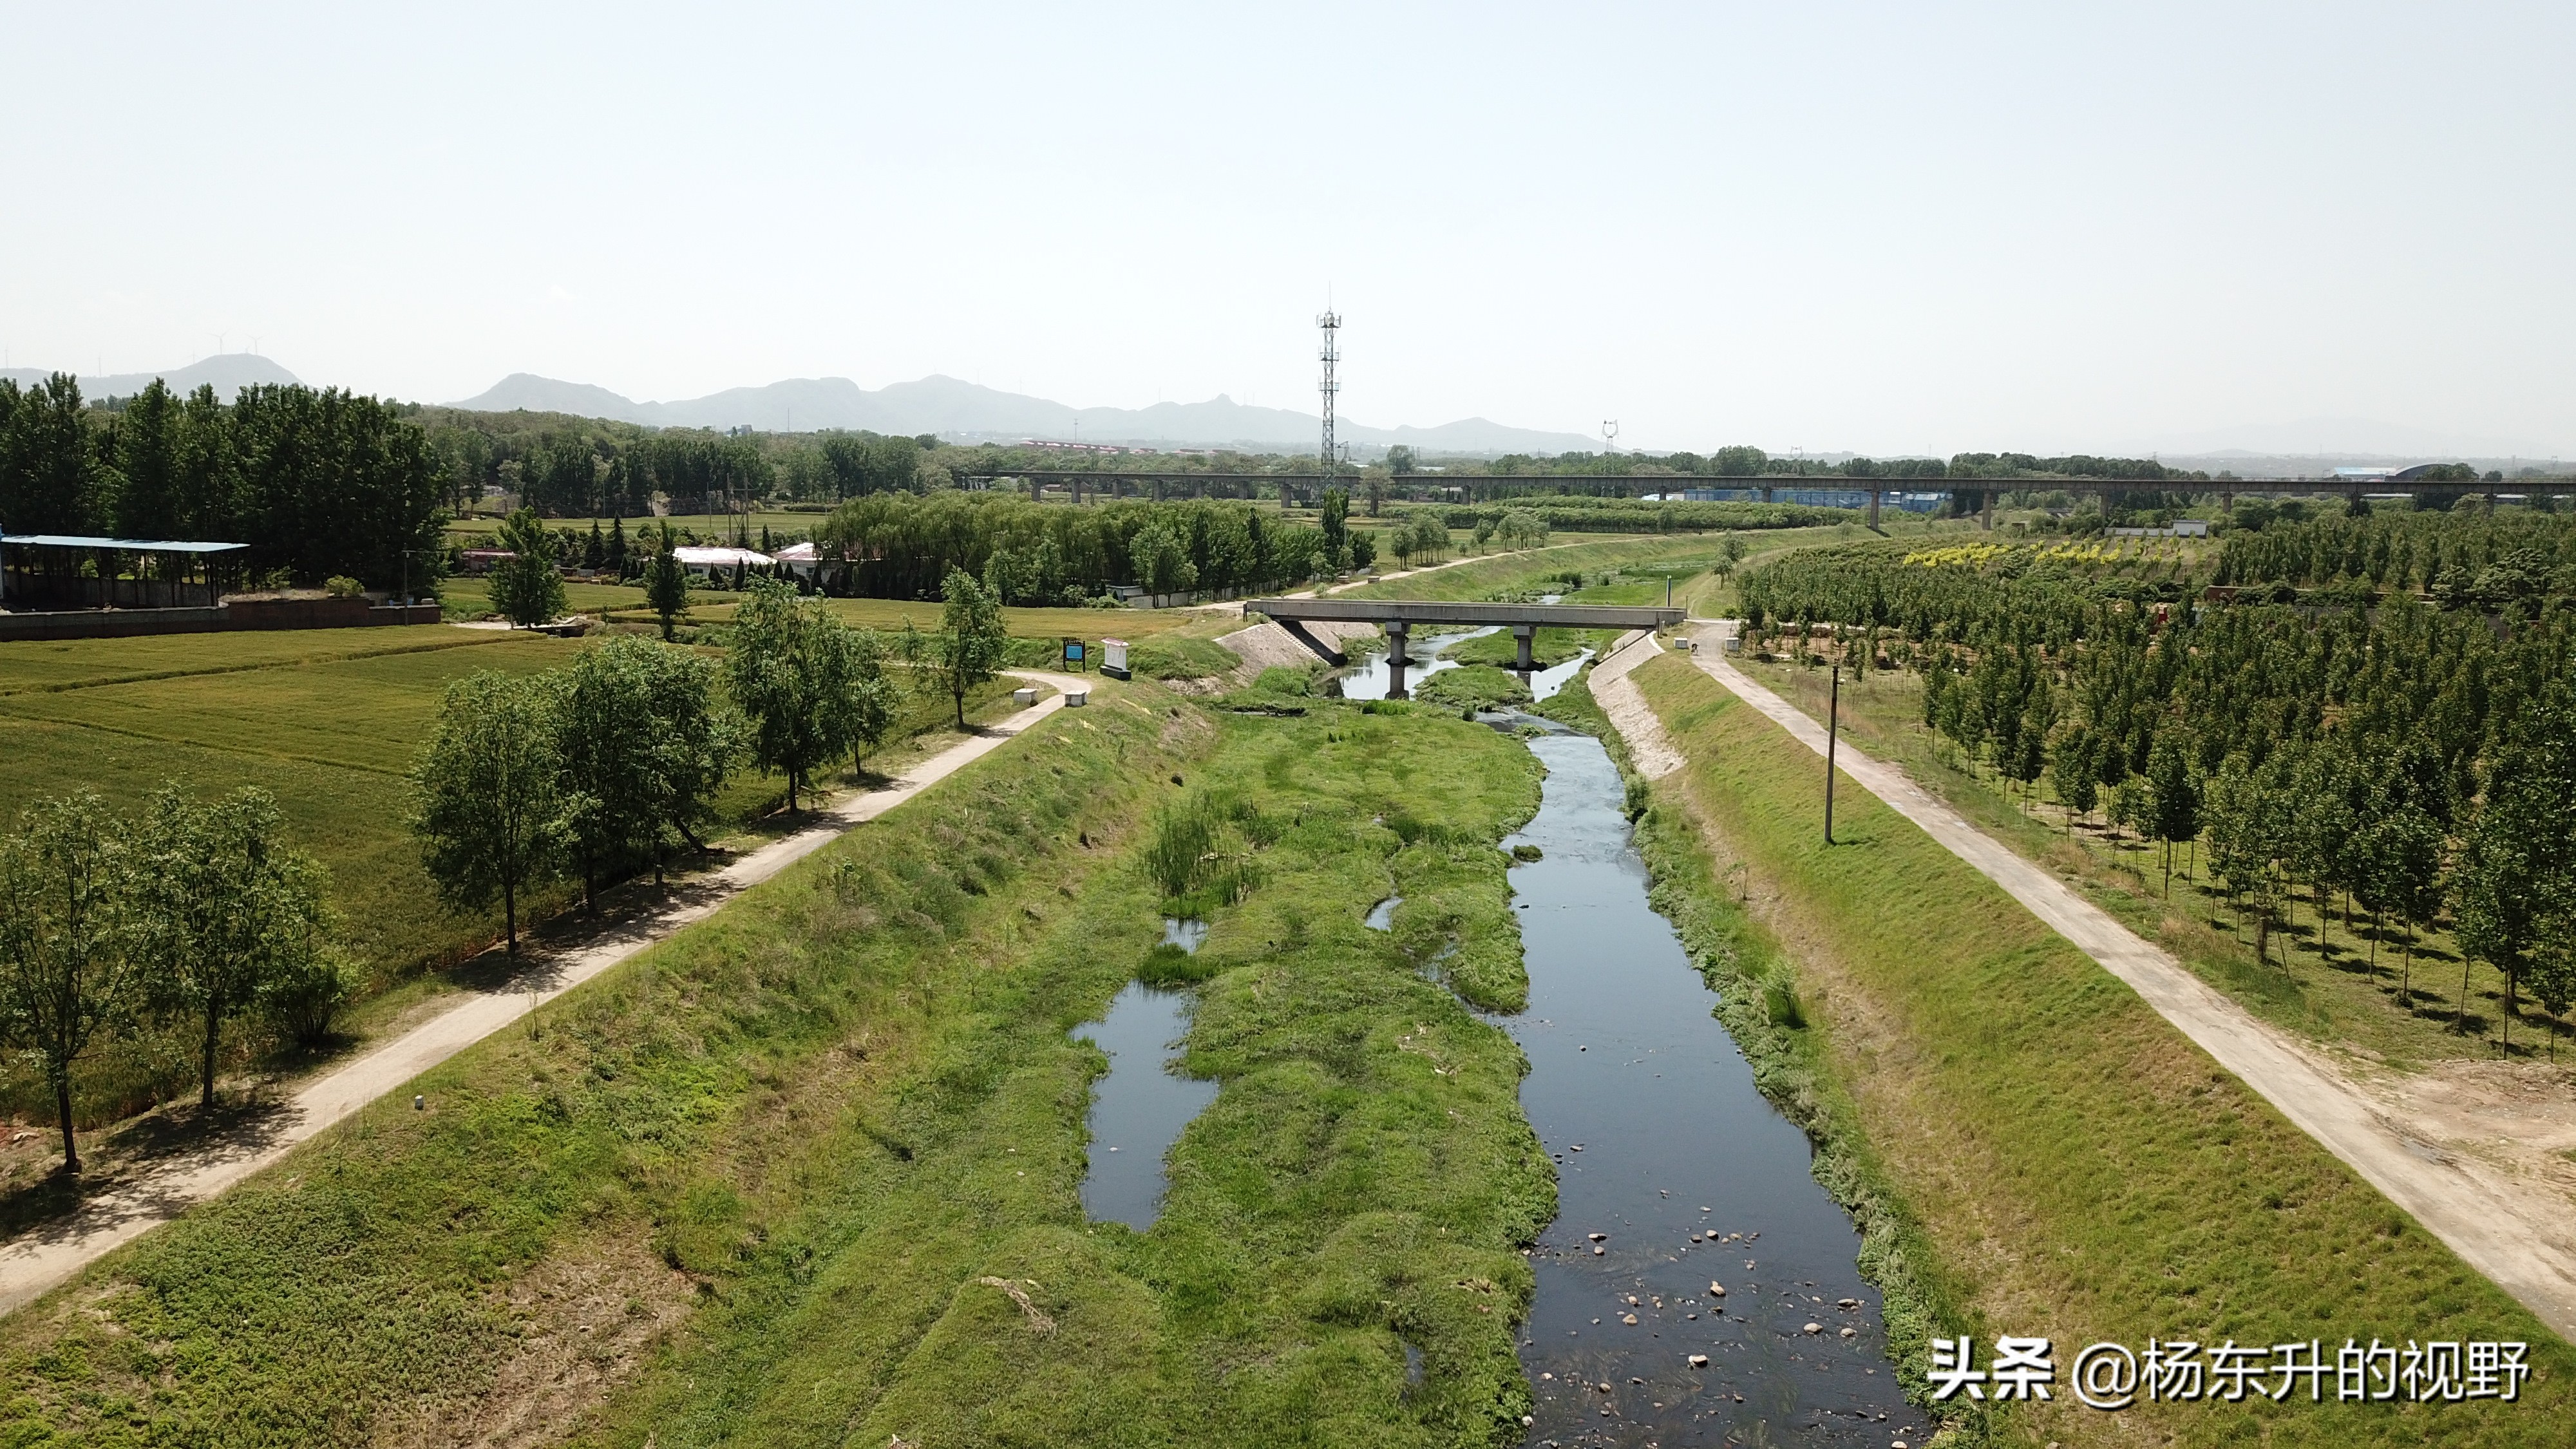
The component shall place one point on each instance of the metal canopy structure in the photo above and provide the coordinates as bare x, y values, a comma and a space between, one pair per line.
79, 571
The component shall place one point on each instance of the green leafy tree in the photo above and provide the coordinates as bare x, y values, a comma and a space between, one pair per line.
1162, 557
1336, 516
2071, 770
604, 745
487, 796
645, 747
973, 644
666, 582
813, 689
2517, 858
222, 909
695, 740
65, 973
2174, 811
527, 589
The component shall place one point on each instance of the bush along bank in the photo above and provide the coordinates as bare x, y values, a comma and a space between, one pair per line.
1754, 985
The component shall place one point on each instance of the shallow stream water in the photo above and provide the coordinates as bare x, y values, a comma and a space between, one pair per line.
1661, 1141
1139, 1108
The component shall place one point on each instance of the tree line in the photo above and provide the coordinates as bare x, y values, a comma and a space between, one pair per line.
318, 483
900, 546
2500, 561
615, 762
2412, 758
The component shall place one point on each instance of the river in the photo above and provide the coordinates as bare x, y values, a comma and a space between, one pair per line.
1675, 1176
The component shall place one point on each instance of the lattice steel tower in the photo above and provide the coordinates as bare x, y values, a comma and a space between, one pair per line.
1331, 322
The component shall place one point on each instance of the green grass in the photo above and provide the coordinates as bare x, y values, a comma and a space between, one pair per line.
1473, 687
1175, 656
762, 1171
2079, 1168
30, 665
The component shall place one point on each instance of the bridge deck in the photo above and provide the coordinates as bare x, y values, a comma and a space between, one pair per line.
1434, 611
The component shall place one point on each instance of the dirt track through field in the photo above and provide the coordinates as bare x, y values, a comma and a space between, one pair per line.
51, 1253
2518, 1236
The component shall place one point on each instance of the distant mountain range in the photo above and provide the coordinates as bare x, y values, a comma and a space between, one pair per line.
969, 412
229, 372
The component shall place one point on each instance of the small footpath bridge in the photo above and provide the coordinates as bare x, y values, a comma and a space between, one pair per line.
1398, 617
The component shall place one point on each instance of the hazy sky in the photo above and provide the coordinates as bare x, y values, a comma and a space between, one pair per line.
1894, 228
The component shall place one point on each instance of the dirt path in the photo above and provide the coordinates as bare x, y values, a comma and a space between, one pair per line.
2516, 1234
50, 1253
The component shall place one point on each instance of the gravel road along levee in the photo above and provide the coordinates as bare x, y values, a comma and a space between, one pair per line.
2517, 1235
50, 1253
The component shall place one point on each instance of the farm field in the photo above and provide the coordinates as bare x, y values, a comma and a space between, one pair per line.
762, 1176
2124, 1190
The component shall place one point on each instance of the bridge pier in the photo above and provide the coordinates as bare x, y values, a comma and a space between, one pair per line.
1873, 508
1396, 631
1521, 636
1990, 510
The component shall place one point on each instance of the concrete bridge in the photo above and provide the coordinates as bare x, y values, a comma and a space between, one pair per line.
1398, 616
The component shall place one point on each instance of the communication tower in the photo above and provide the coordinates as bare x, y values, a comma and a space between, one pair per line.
1610, 433
1331, 322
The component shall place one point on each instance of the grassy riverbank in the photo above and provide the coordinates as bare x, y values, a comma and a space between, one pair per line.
2078, 1168
808, 1173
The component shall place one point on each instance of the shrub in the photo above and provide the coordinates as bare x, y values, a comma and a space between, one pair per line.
1784, 1007
341, 586
1170, 965
304, 998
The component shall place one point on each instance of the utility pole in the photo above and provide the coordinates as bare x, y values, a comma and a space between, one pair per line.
1833, 719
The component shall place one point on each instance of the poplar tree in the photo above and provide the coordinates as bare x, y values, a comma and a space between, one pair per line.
65, 974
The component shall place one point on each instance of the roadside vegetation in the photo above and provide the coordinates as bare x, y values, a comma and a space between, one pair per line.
2122, 1190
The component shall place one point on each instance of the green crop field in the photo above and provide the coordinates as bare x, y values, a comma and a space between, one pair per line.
762, 1180
2077, 1168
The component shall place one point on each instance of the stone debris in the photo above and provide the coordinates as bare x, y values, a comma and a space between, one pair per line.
1716, 1289
1699, 1360
1815, 1328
